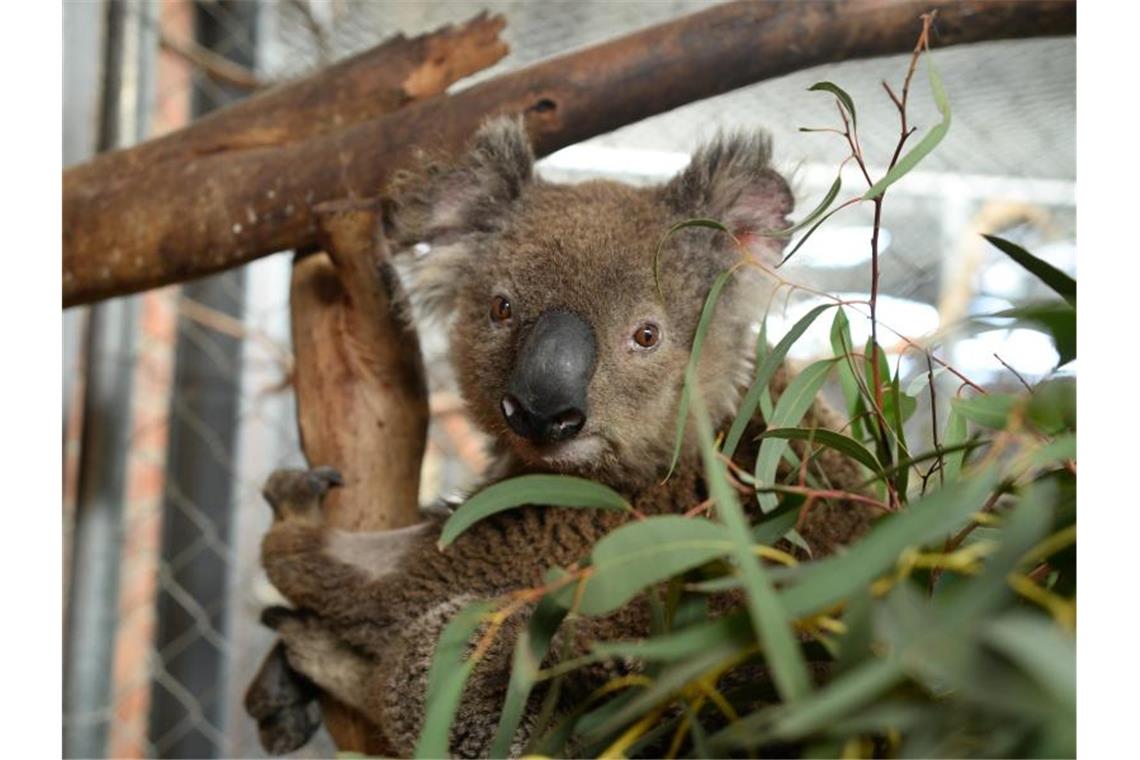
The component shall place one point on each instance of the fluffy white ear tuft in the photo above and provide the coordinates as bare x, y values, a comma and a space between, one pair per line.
447, 210
731, 180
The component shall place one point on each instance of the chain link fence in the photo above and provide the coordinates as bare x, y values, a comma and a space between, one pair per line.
178, 402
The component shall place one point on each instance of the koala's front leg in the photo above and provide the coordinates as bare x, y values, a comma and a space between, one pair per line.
321, 656
343, 577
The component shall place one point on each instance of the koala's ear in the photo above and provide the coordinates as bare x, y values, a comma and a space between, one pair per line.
731, 180
446, 209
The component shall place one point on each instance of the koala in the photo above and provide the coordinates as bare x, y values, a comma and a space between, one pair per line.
571, 354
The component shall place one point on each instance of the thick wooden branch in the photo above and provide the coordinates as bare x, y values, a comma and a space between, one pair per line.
396, 72
361, 396
155, 223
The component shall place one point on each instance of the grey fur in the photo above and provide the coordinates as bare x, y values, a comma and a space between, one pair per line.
370, 624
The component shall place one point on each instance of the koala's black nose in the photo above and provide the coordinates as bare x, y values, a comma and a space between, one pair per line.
546, 398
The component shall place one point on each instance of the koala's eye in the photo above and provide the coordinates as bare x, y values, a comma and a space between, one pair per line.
500, 309
647, 335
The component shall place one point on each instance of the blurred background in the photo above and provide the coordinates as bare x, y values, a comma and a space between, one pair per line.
177, 402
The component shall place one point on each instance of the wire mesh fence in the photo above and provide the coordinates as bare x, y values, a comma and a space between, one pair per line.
204, 403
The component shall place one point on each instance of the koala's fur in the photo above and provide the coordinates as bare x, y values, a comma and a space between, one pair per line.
371, 606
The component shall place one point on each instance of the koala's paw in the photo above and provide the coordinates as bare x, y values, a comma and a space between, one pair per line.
299, 493
283, 702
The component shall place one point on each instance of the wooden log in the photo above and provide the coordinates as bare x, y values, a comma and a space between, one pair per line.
396, 72
156, 224
359, 378
361, 396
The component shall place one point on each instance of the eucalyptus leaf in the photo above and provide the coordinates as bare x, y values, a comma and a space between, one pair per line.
769, 617
841, 95
794, 403
450, 669
668, 683
828, 581
1045, 652
848, 381
929, 141
530, 650
545, 490
645, 552
814, 214
1052, 407
1059, 320
694, 360
841, 443
1061, 283
990, 411
955, 435
772, 361
683, 643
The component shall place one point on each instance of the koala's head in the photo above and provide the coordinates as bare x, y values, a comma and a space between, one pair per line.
564, 349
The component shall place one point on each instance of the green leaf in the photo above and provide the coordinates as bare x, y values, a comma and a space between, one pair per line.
694, 360
945, 451
843, 696
990, 411
1058, 319
1060, 449
697, 731
882, 437
811, 217
776, 524
848, 381
1061, 283
1052, 407
681, 644
956, 435
772, 362
840, 94
799, 243
646, 552
827, 581
530, 650
855, 646
929, 141
769, 618
668, 683
546, 739
545, 490
898, 408
920, 381
450, 669
1026, 525
1041, 649
831, 439
794, 403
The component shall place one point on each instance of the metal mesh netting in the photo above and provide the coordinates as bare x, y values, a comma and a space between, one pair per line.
206, 411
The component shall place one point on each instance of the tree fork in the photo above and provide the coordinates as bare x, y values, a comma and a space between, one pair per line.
131, 224
361, 394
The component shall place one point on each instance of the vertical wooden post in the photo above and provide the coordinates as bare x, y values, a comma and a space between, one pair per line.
361, 395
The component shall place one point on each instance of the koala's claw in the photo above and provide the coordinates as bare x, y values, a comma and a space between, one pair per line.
326, 476
299, 492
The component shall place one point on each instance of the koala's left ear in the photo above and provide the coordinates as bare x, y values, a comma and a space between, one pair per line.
453, 207
731, 180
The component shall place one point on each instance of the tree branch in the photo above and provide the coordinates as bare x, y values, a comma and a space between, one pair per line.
132, 223
361, 394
